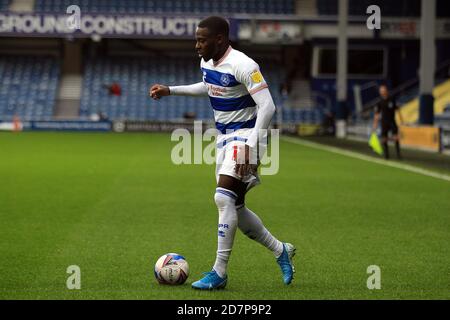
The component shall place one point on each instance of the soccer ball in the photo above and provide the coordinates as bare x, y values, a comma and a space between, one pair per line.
171, 268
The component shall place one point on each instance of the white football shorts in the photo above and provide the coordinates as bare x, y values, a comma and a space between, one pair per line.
229, 150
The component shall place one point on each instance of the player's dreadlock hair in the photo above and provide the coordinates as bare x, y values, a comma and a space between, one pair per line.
216, 25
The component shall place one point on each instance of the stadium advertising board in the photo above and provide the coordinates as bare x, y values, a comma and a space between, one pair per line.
155, 126
183, 27
52, 125
104, 25
422, 137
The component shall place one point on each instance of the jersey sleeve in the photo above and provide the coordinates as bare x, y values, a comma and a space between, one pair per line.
251, 77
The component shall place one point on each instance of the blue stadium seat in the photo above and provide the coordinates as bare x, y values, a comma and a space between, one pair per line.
169, 6
28, 86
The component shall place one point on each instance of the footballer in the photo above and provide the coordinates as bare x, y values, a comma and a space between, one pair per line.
243, 108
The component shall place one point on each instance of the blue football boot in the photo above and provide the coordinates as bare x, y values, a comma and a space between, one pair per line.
210, 281
285, 262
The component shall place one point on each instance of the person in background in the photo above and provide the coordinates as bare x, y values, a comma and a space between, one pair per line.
114, 89
385, 111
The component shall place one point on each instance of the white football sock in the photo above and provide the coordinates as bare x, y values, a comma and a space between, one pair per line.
228, 220
251, 225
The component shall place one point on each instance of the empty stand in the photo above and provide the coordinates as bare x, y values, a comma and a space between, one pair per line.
29, 89
28, 86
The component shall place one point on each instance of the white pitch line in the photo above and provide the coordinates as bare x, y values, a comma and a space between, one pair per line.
356, 155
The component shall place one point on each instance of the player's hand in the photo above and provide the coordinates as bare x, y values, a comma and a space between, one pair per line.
243, 166
158, 90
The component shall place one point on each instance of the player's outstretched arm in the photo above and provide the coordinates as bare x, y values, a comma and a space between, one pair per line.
194, 90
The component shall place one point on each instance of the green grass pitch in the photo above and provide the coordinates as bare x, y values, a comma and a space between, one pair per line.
113, 203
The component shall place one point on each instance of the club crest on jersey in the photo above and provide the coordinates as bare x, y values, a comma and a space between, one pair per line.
225, 80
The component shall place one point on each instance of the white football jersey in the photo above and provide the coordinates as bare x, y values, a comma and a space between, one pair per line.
230, 82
